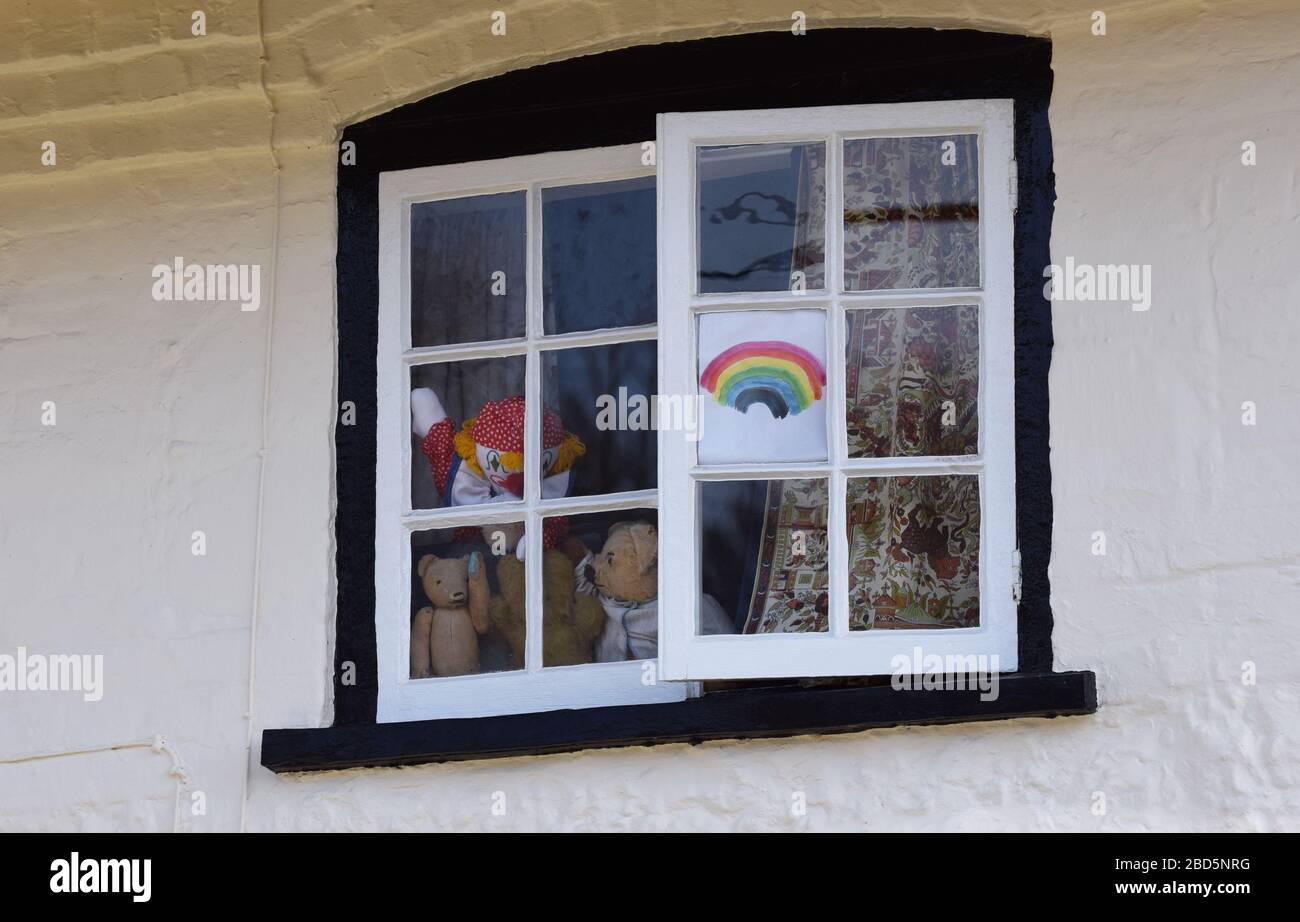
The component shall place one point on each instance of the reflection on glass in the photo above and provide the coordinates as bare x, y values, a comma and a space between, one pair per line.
765, 567
466, 601
601, 588
467, 269
913, 552
598, 261
601, 398
911, 213
467, 430
912, 381
762, 219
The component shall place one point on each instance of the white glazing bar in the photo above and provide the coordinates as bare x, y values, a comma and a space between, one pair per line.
597, 178
909, 297
604, 337
403, 259
460, 352
762, 471
403, 412
495, 513
458, 516
532, 439
771, 300
902, 467
762, 300
606, 502
402, 336
837, 520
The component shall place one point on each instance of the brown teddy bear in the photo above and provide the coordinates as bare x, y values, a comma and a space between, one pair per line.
570, 622
624, 577
444, 636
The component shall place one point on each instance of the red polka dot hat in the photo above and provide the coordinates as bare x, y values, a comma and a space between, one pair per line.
500, 425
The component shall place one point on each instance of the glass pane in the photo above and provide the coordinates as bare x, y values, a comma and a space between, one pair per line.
912, 381
762, 380
598, 264
762, 217
597, 436
914, 552
601, 588
765, 567
462, 595
467, 432
911, 213
467, 269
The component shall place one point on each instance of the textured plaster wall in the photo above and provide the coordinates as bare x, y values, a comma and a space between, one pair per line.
164, 145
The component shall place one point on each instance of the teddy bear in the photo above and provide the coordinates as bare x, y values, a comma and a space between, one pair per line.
624, 577
570, 622
483, 462
444, 636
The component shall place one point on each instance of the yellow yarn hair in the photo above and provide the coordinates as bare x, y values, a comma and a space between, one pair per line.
571, 449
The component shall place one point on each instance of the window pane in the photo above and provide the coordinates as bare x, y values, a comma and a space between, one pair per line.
597, 436
912, 381
762, 382
911, 213
598, 264
467, 269
461, 623
601, 588
762, 220
913, 552
467, 431
764, 570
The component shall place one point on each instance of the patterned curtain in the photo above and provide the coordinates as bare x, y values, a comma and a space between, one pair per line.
911, 220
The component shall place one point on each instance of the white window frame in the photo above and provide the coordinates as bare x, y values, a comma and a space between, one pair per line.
533, 688
682, 654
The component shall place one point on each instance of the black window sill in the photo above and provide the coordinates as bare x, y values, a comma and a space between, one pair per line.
739, 714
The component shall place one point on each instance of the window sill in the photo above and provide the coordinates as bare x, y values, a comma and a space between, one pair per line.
739, 714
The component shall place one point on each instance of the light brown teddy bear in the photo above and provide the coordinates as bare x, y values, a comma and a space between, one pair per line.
444, 636
570, 622
624, 577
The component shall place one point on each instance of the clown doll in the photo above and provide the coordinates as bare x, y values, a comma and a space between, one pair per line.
483, 462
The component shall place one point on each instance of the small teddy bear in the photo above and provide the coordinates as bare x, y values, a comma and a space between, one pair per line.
624, 576
570, 622
444, 636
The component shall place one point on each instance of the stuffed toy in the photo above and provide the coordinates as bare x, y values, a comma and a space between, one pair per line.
570, 622
483, 462
444, 636
624, 577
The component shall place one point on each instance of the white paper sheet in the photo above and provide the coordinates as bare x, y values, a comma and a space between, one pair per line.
729, 436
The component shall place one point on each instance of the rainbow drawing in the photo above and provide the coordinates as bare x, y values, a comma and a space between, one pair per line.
785, 378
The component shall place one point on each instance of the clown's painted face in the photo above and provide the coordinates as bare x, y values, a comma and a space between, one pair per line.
504, 469
496, 468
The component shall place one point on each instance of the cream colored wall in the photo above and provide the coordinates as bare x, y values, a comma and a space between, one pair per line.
167, 146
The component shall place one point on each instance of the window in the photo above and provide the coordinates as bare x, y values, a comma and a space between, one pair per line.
512, 294
890, 279
836, 284
845, 491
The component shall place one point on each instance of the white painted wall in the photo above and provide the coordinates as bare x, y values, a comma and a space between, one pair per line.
163, 145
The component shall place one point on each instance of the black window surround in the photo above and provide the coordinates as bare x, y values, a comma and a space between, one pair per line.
613, 98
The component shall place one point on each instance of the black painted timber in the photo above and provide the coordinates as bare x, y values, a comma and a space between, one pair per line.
741, 714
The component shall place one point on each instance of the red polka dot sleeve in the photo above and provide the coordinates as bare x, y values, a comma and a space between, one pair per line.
437, 447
